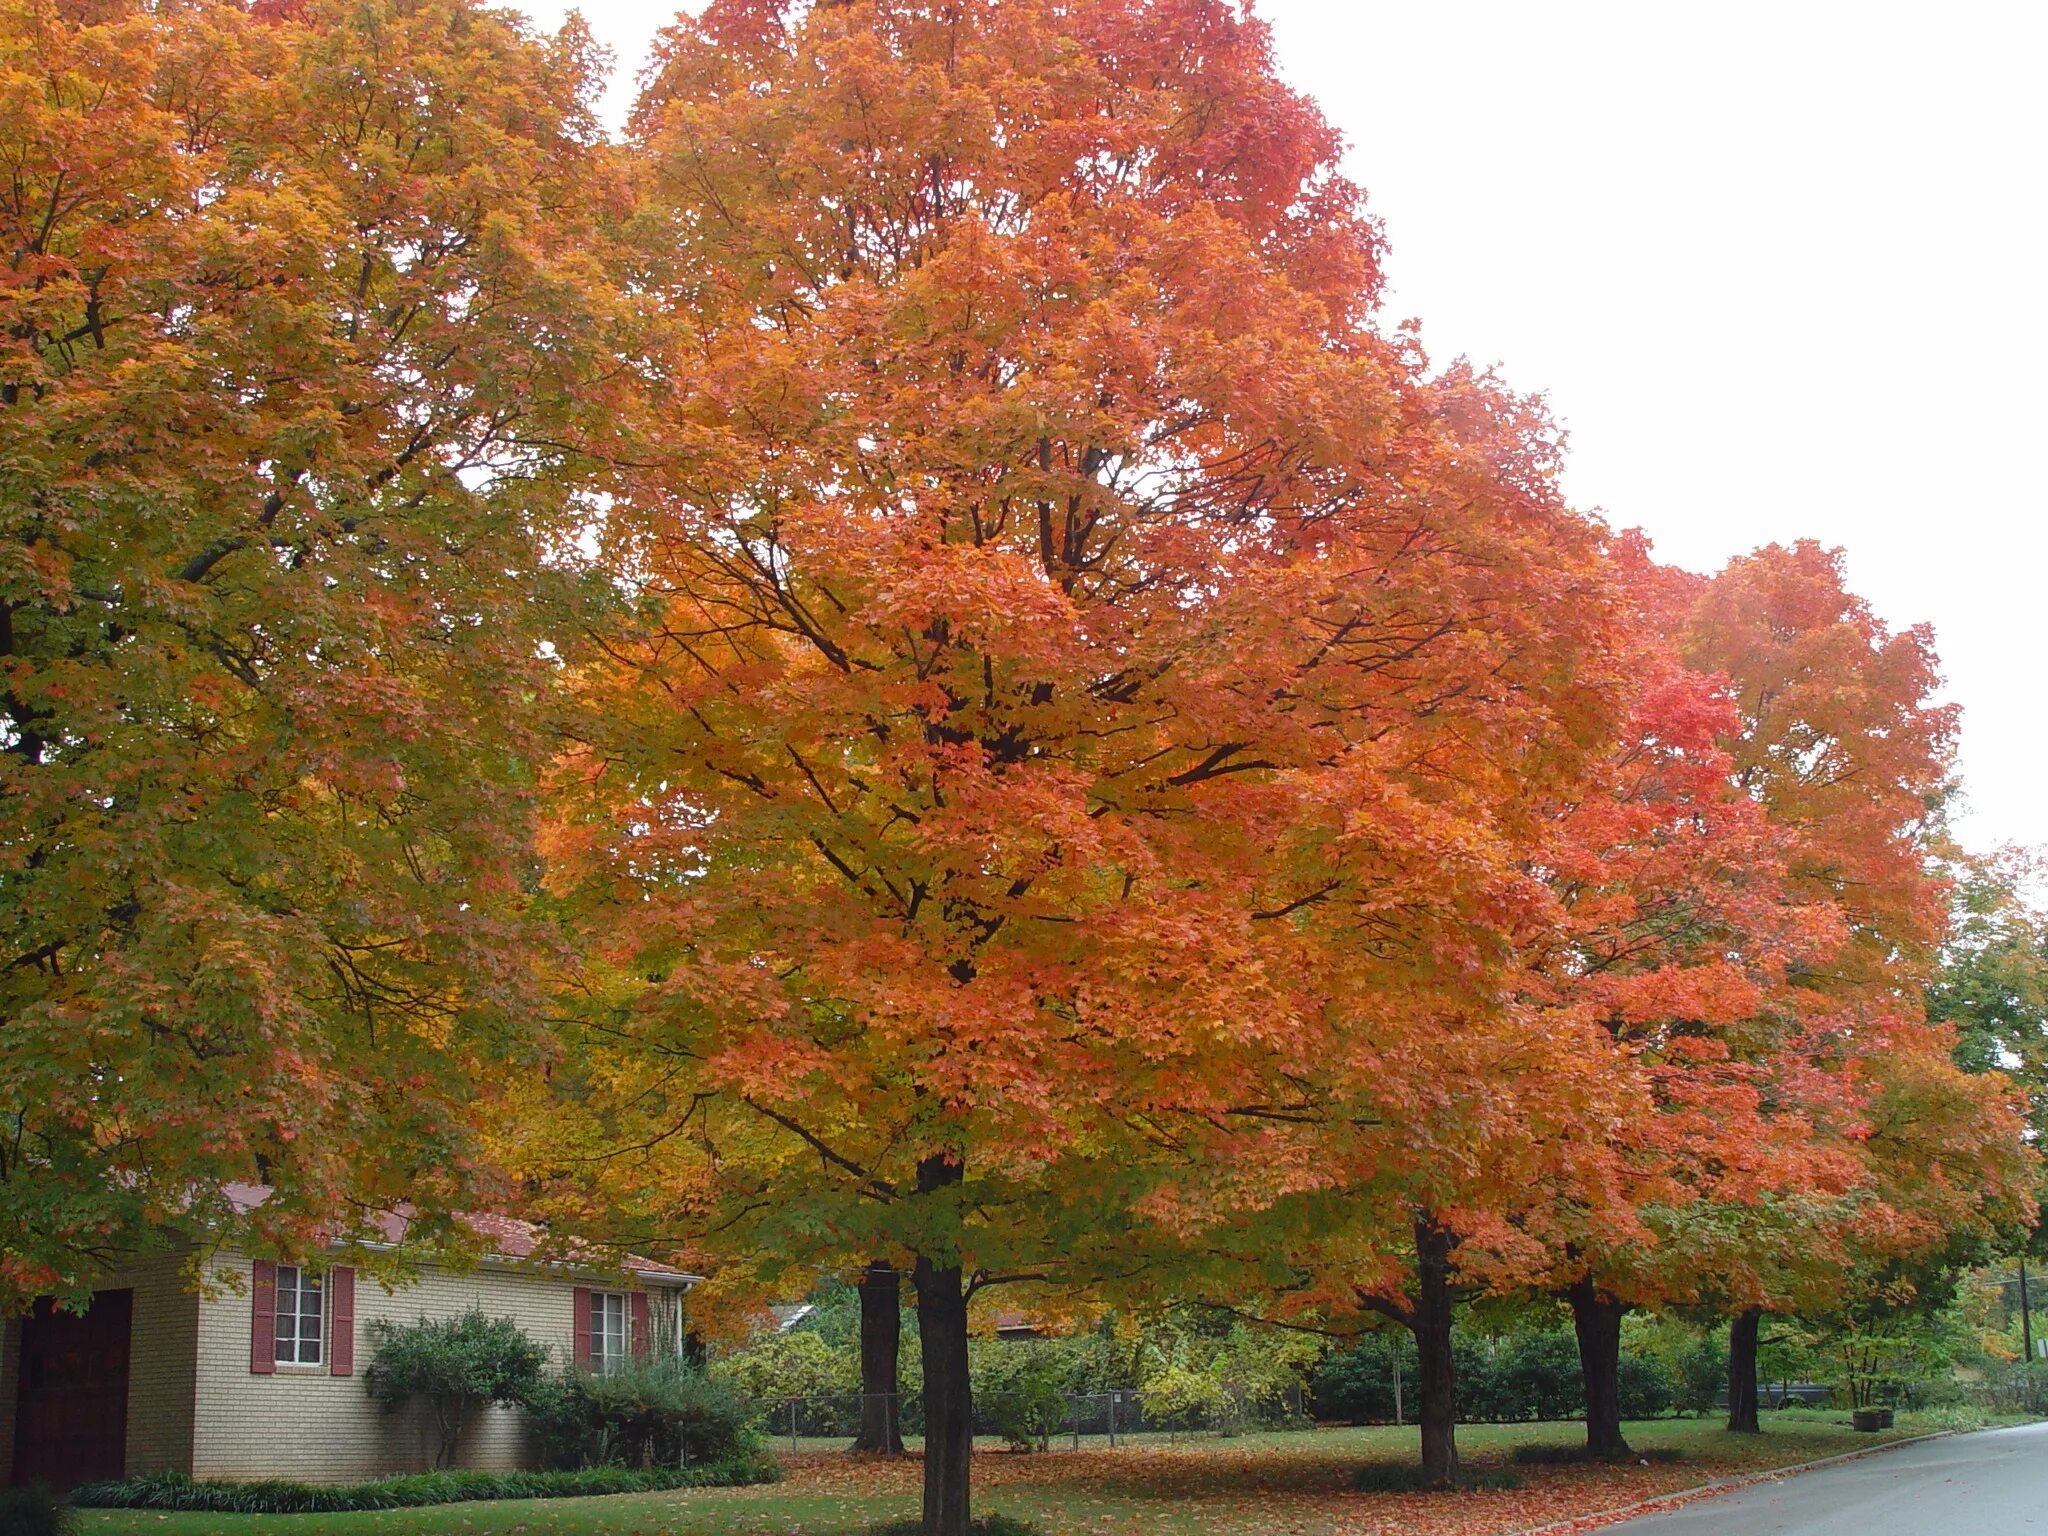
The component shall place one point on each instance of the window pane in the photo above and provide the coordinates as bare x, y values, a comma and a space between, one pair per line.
287, 1314
310, 1299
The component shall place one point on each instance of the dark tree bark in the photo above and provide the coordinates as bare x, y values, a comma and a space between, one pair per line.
1430, 1321
881, 1335
1596, 1318
1742, 1394
948, 1399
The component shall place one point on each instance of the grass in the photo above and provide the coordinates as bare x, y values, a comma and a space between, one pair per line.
1298, 1483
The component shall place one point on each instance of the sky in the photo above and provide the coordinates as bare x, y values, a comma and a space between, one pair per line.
1778, 268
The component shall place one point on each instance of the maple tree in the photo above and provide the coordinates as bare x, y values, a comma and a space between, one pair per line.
1840, 740
300, 318
1051, 580
1681, 941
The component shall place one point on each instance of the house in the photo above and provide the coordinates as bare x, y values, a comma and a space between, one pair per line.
261, 1376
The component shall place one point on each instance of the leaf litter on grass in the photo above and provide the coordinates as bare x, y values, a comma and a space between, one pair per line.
1288, 1486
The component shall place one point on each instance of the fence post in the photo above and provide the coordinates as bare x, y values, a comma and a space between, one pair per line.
792, 1426
1397, 1387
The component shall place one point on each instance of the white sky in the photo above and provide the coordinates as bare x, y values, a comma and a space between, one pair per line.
1776, 263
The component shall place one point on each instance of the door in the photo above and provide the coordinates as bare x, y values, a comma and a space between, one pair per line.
71, 1418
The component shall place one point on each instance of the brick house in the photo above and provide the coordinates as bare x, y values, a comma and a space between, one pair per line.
264, 1380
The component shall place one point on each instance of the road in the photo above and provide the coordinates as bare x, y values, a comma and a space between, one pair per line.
1984, 1484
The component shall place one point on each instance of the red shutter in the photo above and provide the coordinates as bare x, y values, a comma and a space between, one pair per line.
263, 1318
643, 1327
579, 1315
341, 1320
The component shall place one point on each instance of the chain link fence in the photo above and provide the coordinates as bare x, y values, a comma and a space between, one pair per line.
1043, 1420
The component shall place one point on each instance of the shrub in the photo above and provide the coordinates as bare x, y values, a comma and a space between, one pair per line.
1646, 1390
1536, 1376
1182, 1398
1357, 1384
172, 1491
795, 1364
35, 1511
456, 1364
648, 1413
1406, 1477
1701, 1375
1021, 1390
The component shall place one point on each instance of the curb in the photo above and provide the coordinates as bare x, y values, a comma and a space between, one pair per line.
1663, 1501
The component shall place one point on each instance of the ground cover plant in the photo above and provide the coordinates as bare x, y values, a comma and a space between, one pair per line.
1301, 1483
280, 1496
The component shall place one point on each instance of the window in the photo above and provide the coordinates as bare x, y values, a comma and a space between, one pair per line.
607, 1330
300, 1312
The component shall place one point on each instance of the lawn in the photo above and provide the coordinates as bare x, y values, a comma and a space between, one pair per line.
1283, 1484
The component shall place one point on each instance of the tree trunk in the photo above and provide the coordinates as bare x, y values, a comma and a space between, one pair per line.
948, 1400
1596, 1318
448, 1416
1742, 1331
1430, 1322
881, 1333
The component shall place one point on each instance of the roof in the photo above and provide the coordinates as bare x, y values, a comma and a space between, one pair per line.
510, 1240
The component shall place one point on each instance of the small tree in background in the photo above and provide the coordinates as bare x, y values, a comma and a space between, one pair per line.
457, 1365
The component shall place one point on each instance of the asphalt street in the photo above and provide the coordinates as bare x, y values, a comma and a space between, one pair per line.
1981, 1484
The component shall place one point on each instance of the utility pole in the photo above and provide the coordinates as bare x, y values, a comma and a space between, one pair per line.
2026, 1313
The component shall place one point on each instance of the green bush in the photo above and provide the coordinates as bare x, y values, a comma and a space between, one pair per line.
1535, 1376
1507, 1380
1406, 1477
1180, 1397
794, 1364
457, 1364
1646, 1390
173, 1491
35, 1511
1700, 1375
1357, 1384
1021, 1391
651, 1413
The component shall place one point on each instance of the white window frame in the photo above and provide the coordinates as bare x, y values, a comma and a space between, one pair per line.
611, 1330
297, 1289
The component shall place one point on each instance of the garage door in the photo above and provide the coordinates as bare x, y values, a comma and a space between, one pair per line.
71, 1419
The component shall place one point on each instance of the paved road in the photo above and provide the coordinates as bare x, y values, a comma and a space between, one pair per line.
1985, 1484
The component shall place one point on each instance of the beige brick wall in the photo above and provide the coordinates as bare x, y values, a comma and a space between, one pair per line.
163, 1348
162, 1351
305, 1423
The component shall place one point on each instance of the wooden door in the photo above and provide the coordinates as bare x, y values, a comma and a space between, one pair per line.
71, 1418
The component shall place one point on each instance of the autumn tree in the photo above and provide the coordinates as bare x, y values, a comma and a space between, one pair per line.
1839, 738
1679, 938
301, 322
1051, 580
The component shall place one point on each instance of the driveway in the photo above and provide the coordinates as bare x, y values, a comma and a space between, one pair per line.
1982, 1484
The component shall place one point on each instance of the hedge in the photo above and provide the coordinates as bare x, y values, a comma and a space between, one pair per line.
1533, 1375
176, 1491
